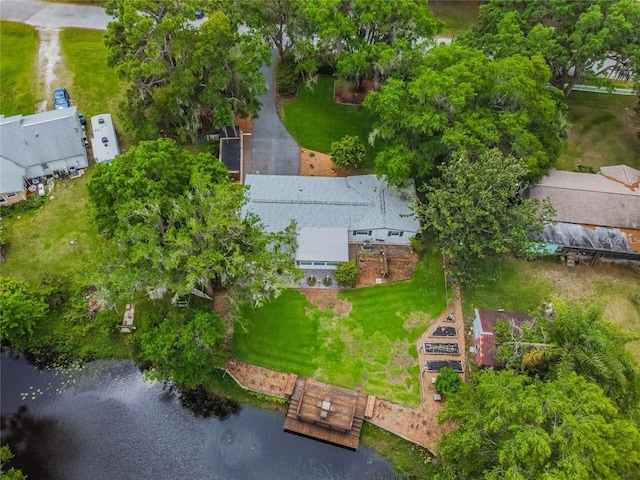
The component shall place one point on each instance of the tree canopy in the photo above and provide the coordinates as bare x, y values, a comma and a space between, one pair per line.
185, 346
578, 39
458, 99
369, 38
512, 426
348, 151
577, 339
176, 219
20, 309
477, 215
181, 75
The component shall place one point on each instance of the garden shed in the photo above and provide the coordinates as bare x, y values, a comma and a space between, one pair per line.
484, 337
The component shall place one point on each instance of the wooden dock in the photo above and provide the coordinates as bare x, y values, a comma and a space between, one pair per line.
326, 412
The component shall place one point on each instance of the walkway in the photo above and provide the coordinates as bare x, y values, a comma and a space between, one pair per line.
415, 424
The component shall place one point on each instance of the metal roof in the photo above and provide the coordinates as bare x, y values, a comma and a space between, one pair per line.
350, 203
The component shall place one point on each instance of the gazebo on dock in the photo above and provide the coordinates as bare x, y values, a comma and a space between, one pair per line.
328, 413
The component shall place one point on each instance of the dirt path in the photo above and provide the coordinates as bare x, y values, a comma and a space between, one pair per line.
49, 60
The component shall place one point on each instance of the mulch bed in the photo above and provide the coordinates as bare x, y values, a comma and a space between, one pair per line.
344, 94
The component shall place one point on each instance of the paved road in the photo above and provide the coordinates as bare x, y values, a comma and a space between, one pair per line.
274, 151
53, 15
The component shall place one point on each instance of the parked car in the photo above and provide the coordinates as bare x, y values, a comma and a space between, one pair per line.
60, 98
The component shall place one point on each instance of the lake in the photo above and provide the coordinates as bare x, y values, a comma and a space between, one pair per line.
104, 421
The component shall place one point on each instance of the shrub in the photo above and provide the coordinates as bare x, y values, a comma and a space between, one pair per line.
418, 245
350, 151
347, 273
448, 381
286, 76
327, 281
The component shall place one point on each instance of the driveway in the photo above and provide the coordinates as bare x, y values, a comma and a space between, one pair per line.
274, 150
53, 15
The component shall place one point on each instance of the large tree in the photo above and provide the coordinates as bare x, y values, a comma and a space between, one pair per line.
370, 38
578, 39
280, 22
185, 346
577, 339
477, 215
181, 75
513, 427
176, 219
459, 99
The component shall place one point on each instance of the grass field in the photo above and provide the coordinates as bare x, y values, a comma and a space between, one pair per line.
604, 131
367, 338
523, 286
95, 88
41, 240
19, 93
315, 120
457, 16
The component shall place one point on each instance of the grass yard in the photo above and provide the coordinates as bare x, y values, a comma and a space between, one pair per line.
315, 120
523, 286
365, 338
457, 16
40, 240
604, 131
19, 92
95, 88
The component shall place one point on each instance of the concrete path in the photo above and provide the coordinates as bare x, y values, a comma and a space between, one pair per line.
275, 152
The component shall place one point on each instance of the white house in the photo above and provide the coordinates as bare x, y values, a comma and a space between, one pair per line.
104, 142
37, 146
330, 212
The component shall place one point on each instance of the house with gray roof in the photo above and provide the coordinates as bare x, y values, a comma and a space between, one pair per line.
597, 215
330, 212
36, 146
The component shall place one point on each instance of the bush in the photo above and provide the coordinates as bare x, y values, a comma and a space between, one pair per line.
418, 245
348, 151
327, 281
448, 381
286, 76
347, 273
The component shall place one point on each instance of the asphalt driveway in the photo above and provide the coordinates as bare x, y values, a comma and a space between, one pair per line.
274, 150
53, 15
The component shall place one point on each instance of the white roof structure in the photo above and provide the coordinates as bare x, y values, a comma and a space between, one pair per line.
104, 142
323, 244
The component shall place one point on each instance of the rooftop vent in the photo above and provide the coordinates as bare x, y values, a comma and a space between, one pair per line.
105, 141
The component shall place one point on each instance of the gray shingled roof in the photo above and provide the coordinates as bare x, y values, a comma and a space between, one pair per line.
35, 139
624, 174
590, 199
353, 203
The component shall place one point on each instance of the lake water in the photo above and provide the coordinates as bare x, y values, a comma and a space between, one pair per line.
105, 422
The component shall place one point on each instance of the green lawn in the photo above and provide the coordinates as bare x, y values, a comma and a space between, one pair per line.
315, 120
456, 16
368, 339
19, 93
95, 88
523, 286
41, 240
604, 131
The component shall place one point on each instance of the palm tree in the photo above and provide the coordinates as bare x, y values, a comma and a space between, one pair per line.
581, 341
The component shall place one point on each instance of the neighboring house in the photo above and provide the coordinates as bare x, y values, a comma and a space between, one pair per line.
484, 337
597, 215
36, 146
330, 212
231, 150
104, 142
